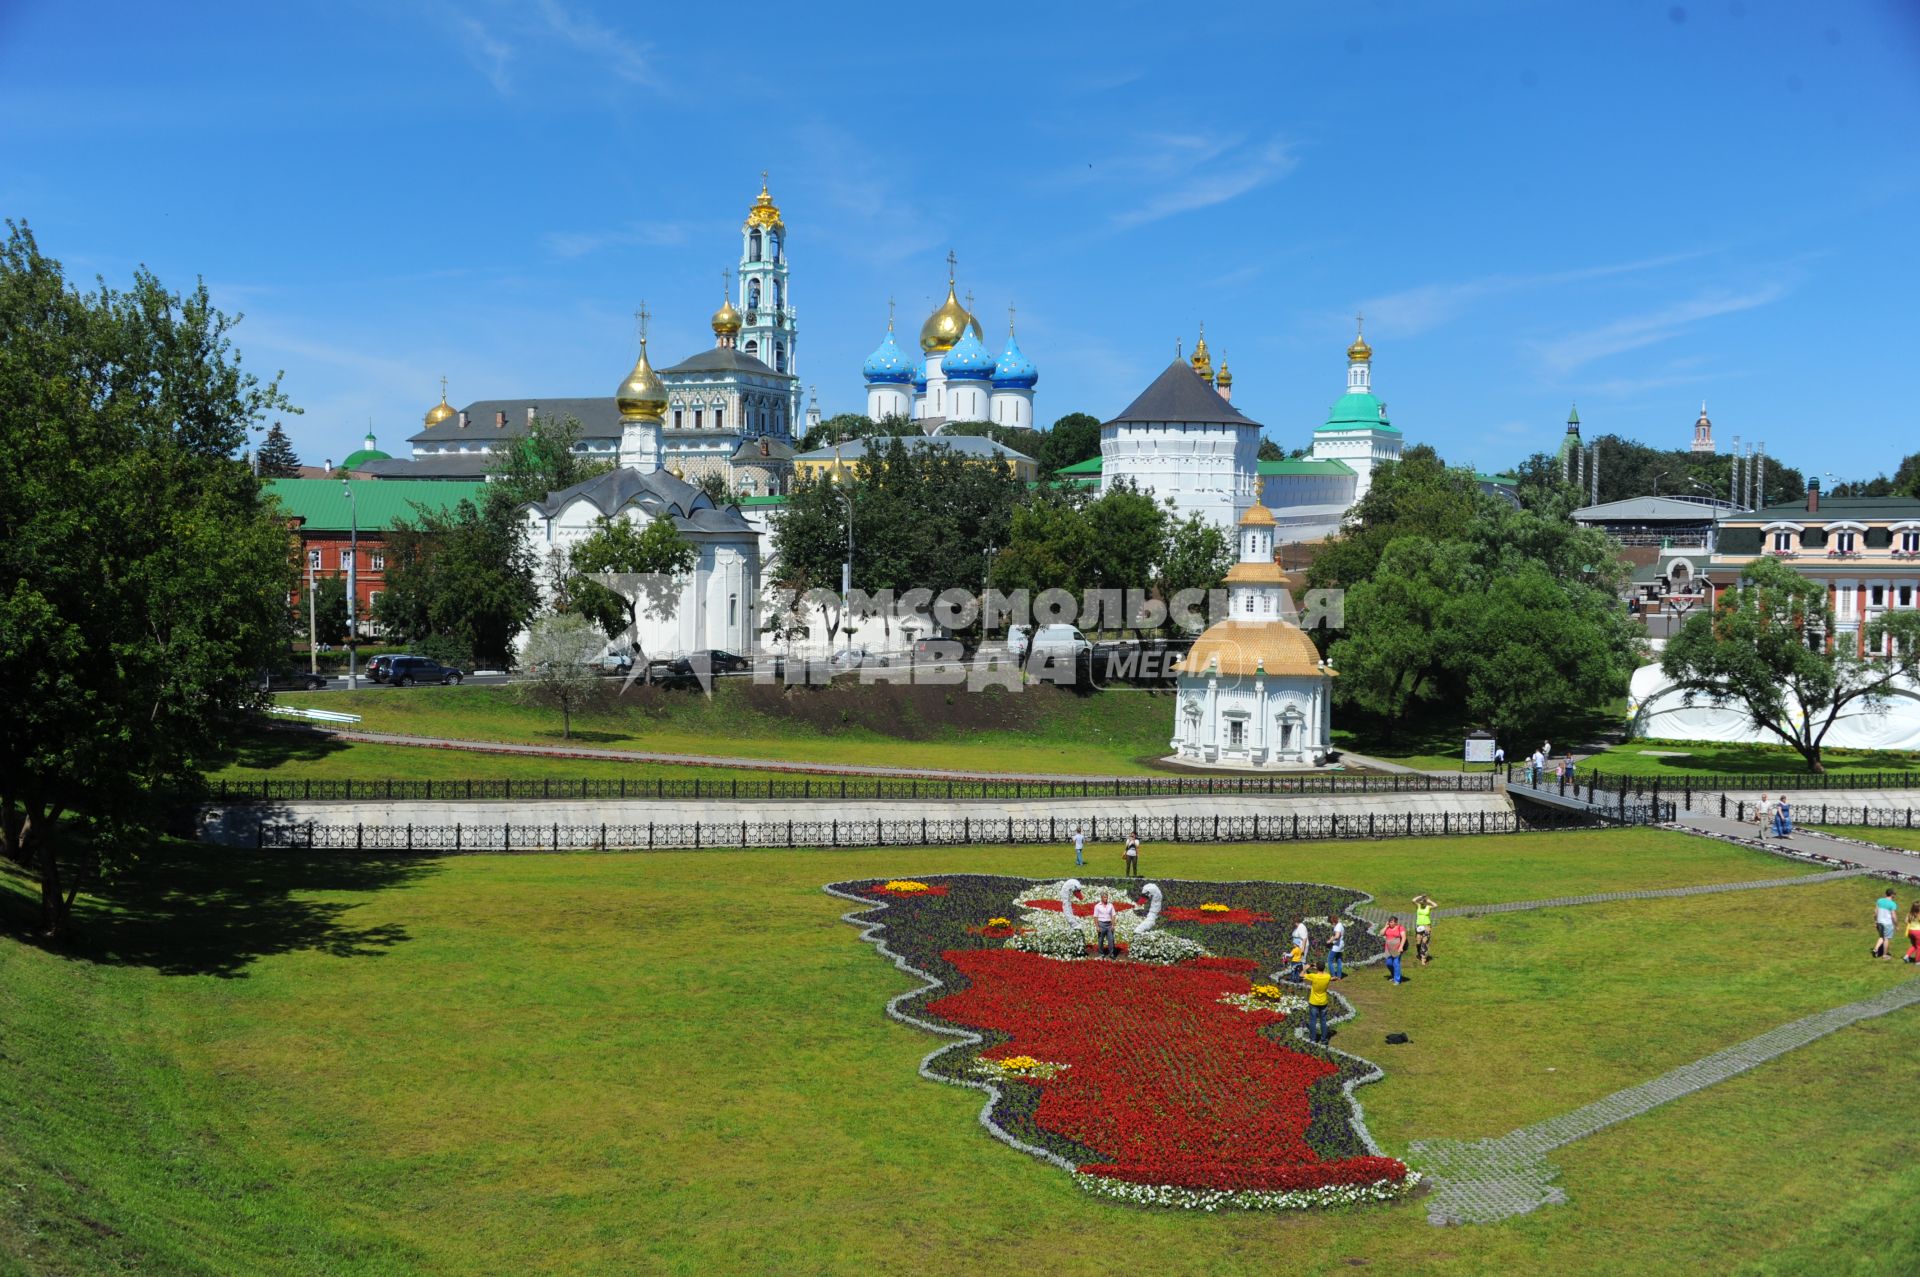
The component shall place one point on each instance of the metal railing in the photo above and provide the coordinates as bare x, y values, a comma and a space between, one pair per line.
924, 832
1596, 786
838, 787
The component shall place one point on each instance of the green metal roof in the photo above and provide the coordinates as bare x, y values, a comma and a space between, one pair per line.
357, 459
1090, 466
1306, 466
769, 499
1357, 410
377, 503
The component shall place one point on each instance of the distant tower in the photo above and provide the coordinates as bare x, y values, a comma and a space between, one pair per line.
1202, 361
813, 408
642, 400
1570, 448
769, 333
1357, 432
1703, 431
1224, 382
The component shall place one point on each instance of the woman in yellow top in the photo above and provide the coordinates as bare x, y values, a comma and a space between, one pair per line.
1317, 981
1423, 924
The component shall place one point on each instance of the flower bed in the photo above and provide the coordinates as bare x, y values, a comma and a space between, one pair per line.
907, 889
1175, 1081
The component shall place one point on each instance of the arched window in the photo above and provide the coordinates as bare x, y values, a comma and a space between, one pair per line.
779, 294
753, 245
779, 357
773, 245
753, 348
753, 294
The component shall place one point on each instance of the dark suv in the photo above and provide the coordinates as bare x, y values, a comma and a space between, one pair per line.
405, 671
377, 667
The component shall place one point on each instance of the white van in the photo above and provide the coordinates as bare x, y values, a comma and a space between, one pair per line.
1059, 643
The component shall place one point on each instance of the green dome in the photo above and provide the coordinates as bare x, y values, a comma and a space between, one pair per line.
355, 460
1357, 410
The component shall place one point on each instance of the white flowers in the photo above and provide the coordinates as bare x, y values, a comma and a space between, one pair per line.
1163, 947
1211, 1199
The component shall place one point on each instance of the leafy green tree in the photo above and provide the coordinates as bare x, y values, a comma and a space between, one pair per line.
1195, 555
1130, 528
1532, 651
1271, 451
854, 425
627, 547
1629, 468
1765, 648
714, 485
1397, 648
542, 461
1073, 438
559, 672
276, 458
1050, 545
1419, 495
143, 574
1023, 441
328, 603
466, 574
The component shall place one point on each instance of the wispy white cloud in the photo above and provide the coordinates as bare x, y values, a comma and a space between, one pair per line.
643, 234
1636, 331
1427, 306
500, 45
1190, 171
627, 59
492, 55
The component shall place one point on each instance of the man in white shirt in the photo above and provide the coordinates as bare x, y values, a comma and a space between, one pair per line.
1079, 846
1302, 940
1103, 913
1337, 949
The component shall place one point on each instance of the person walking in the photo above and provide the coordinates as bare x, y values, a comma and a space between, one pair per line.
1885, 910
1423, 924
1079, 846
1761, 809
1337, 948
1317, 1001
1103, 913
1133, 855
1395, 939
1783, 819
1499, 758
1913, 932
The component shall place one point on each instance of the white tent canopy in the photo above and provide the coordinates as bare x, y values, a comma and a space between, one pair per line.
1658, 711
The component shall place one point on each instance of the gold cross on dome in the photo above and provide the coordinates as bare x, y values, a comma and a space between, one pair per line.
1359, 323
763, 181
443, 388
726, 283
951, 261
640, 318
969, 301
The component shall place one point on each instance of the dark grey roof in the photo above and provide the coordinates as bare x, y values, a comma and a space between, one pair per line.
445, 465
656, 492
1179, 395
721, 359
749, 450
598, 418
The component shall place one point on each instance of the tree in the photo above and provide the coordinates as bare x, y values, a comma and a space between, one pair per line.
1073, 438
1765, 649
713, 484
328, 603
1629, 468
1397, 649
627, 547
1195, 555
1418, 495
143, 574
542, 461
1271, 451
561, 651
465, 574
1022, 440
276, 458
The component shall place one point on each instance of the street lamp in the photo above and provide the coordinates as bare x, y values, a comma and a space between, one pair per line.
353, 581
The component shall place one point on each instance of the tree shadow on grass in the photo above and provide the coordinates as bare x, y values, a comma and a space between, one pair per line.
191, 909
279, 745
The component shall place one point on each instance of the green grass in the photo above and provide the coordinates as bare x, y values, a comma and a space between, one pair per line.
1039, 729
1905, 839
678, 1063
1681, 758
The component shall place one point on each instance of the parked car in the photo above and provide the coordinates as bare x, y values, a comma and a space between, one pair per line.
292, 681
378, 666
713, 661
405, 671
620, 663
851, 658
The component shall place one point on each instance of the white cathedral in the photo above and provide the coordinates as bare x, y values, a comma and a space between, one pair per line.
956, 377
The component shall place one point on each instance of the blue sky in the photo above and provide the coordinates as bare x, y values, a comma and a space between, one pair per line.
1632, 205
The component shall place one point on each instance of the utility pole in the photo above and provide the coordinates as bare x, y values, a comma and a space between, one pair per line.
353, 585
313, 618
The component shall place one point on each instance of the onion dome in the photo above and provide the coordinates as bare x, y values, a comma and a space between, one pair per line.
888, 365
764, 212
1202, 361
920, 378
368, 451
1257, 516
1225, 379
1014, 371
1359, 352
945, 325
642, 396
442, 410
726, 320
969, 359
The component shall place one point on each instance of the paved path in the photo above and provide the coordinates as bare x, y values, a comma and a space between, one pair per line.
1809, 846
1376, 916
1481, 1181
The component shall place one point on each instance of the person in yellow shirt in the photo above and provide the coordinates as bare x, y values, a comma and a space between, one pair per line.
1317, 1001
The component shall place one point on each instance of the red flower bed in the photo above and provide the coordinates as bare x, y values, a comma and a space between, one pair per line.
933, 889
1166, 1083
1178, 913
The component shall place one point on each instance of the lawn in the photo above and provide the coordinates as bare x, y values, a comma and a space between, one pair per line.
1039, 729
1681, 758
640, 1064
1905, 839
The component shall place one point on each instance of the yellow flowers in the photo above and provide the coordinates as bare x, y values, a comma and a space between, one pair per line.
904, 884
1265, 991
1211, 907
1019, 1068
1018, 1063
999, 922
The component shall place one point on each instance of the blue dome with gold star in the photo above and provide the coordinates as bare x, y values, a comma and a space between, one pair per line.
888, 364
1014, 371
969, 360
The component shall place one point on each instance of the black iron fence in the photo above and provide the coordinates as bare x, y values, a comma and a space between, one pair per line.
1684, 789
661, 835
841, 787
1817, 813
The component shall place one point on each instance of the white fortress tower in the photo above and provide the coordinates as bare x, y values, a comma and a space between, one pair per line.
1181, 440
1357, 430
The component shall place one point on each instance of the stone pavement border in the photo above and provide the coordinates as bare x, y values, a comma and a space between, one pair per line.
1483, 1181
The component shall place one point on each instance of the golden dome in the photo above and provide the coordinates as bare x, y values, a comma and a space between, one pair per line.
1226, 376
764, 212
1236, 648
1202, 361
1256, 513
642, 396
1359, 352
726, 320
944, 326
442, 410
1268, 573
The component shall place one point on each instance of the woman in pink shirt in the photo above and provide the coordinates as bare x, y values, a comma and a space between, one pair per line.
1103, 912
1396, 940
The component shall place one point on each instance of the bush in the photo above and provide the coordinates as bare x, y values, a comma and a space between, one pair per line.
446, 650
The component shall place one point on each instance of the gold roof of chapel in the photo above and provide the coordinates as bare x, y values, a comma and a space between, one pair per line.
1253, 647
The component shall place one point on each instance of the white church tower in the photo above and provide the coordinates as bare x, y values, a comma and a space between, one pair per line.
769, 333
1357, 430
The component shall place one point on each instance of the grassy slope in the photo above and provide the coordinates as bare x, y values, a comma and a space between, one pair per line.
638, 1063
1656, 758
1038, 729
1905, 839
